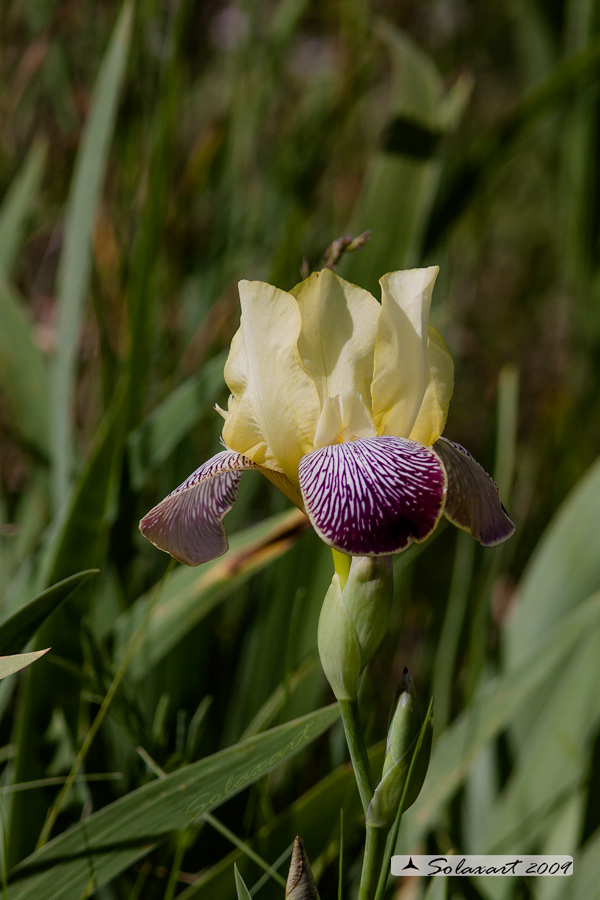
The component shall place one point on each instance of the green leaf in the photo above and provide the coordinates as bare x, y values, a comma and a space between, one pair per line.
403, 173
315, 815
20, 627
75, 261
485, 157
552, 585
142, 289
554, 760
79, 533
11, 664
490, 712
23, 371
585, 879
78, 539
115, 837
18, 204
437, 888
242, 891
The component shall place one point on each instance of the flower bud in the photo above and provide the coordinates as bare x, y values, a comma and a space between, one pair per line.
353, 621
406, 739
300, 882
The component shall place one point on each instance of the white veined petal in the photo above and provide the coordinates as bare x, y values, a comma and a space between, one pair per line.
374, 496
188, 524
473, 500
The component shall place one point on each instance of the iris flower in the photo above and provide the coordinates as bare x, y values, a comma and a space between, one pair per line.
340, 401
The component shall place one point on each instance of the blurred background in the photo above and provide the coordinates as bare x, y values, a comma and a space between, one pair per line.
152, 155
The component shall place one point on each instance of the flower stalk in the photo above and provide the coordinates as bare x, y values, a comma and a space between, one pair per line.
353, 621
372, 862
358, 750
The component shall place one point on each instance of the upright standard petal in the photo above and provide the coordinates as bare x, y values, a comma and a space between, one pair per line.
473, 500
401, 369
188, 524
373, 497
276, 407
432, 415
337, 340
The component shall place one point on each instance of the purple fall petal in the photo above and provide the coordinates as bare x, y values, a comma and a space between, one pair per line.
188, 524
473, 501
373, 496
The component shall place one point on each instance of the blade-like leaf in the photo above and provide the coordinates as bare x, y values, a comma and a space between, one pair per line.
23, 371
20, 627
316, 815
75, 261
551, 585
116, 836
78, 539
404, 172
11, 664
555, 758
584, 882
17, 206
242, 891
437, 888
489, 713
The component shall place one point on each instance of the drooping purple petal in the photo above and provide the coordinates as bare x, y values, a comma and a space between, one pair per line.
373, 496
188, 524
473, 500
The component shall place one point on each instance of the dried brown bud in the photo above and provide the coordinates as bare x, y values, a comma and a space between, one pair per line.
300, 883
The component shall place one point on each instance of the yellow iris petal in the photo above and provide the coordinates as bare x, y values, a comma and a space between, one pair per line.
275, 409
343, 418
431, 419
401, 371
337, 340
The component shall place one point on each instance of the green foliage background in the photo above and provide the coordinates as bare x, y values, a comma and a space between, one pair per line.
151, 155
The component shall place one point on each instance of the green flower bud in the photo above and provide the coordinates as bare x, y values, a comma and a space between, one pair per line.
353, 622
407, 738
300, 882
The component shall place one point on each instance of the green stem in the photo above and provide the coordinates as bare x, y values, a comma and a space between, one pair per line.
390, 846
372, 861
358, 750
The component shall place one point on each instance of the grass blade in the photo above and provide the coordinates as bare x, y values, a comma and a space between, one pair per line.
551, 585
17, 206
489, 713
242, 891
76, 259
78, 539
115, 837
11, 664
404, 172
20, 627
23, 372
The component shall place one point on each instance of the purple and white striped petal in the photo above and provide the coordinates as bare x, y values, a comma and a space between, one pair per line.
373, 496
473, 500
188, 524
